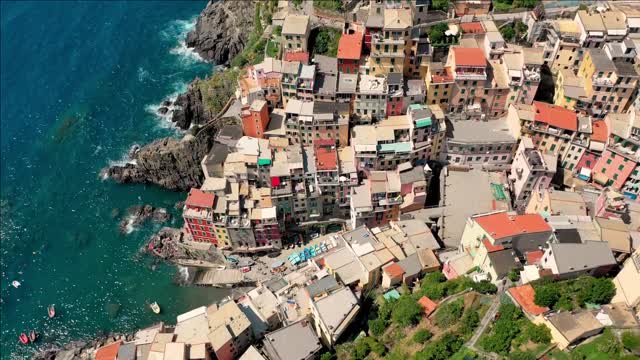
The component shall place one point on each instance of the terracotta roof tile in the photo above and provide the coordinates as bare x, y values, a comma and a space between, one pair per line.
556, 116
301, 56
350, 46
109, 352
199, 198
428, 305
524, 296
600, 131
394, 270
472, 27
469, 57
490, 247
500, 225
534, 256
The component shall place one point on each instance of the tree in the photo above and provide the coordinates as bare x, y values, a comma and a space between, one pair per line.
442, 349
583, 7
436, 33
597, 291
469, 321
327, 42
608, 343
546, 295
514, 275
422, 336
406, 311
277, 30
440, 5
449, 313
484, 287
507, 32
360, 349
631, 341
521, 28
327, 356
377, 326
539, 334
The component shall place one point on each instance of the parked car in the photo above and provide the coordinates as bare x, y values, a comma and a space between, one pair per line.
314, 235
245, 269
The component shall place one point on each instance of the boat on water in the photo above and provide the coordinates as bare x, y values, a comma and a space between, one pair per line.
155, 307
33, 336
16, 284
51, 311
24, 339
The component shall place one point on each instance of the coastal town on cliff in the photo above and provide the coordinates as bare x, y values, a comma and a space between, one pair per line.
399, 179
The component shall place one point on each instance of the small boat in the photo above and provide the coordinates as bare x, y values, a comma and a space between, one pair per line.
155, 307
51, 311
33, 336
24, 339
15, 283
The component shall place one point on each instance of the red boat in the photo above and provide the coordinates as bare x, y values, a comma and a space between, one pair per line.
52, 311
24, 340
33, 336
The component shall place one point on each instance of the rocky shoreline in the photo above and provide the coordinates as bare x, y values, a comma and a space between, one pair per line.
222, 30
79, 349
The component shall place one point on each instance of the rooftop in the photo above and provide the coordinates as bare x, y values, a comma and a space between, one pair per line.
574, 326
326, 158
336, 308
296, 56
524, 296
503, 261
500, 225
477, 132
398, 19
428, 305
294, 342
576, 257
198, 198
591, 22
469, 57
472, 27
295, 25
555, 116
370, 84
326, 64
347, 83
350, 46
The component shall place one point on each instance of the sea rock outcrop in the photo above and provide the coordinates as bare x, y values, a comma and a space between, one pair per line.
189, 108
138, 214
222, 30
168, 162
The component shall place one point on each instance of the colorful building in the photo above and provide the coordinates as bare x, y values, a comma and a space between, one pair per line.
255, 119
349, 51
197, 214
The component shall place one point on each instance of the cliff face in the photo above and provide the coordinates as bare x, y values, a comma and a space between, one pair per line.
189, 109
171, 163
222, 30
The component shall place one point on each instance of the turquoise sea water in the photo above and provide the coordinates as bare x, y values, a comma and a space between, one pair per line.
78, 82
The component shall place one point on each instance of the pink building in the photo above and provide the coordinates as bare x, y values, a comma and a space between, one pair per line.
612, 169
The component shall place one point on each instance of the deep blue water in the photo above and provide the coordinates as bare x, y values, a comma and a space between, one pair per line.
78, 80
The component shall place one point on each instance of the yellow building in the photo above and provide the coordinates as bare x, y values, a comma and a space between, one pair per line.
439, 85
390, 46
565, 45
569, 91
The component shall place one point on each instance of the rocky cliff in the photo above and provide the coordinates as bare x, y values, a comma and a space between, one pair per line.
222, 30
171, 163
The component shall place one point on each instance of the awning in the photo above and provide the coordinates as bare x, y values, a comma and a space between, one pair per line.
601, 179
275, 181
420, 123
262, 162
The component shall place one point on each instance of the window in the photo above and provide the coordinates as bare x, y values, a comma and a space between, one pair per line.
608, 161
621, 167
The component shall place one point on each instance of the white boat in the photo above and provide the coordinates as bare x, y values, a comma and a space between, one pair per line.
15, 283
155, 307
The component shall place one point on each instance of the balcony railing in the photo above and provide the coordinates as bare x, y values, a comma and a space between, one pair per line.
461, 75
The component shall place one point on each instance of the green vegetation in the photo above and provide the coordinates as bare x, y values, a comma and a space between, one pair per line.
567, 295
435, 286
296, 3
442, 5
441, 349
583, 7
512, 330
365, 345
631, 341
331, 5
438, 37
464, 354
469, 322
253, 52
277, 30
273, 49
422, 336
522, 355
406, 311
514, 275
328, 356
327, 42
515, 31
506, 5
217, 89
377, 326
449, 313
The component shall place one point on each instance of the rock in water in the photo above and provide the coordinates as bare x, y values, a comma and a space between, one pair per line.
171, 163
222, 30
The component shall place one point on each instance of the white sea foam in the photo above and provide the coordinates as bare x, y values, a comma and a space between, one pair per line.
129, 228
184, 273
179, 88
176, 32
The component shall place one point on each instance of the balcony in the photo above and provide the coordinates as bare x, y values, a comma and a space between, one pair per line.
598, 81
469, 75
624, 151
380, 39
392, 201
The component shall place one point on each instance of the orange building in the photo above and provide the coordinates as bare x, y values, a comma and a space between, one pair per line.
255, 119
